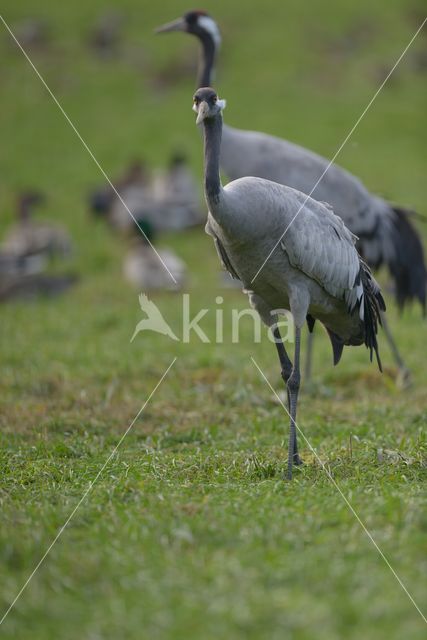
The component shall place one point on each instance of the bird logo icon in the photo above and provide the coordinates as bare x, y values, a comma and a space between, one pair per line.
154, 320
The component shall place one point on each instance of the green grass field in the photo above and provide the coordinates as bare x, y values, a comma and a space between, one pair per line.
190, 531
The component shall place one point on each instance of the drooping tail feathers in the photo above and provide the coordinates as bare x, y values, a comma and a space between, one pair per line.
373, 304
407, 265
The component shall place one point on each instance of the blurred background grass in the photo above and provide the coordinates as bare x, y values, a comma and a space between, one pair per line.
191, 533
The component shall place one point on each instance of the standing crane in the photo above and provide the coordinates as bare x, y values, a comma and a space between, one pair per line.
314, 271
385, 233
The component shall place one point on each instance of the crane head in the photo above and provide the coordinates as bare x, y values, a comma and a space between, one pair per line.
206, 104
198, 23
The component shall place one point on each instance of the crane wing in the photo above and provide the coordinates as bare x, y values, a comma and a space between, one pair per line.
318, 243
225, 261
222, 254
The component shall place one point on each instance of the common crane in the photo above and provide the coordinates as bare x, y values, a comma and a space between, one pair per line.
385, 233
315, 271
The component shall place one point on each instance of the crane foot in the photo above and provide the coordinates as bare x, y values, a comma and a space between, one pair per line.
404, 378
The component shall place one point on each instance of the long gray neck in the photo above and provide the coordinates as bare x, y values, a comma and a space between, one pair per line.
212, 128
207, 61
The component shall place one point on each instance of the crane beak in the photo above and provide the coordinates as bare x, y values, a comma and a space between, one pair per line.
175, 25
202, 112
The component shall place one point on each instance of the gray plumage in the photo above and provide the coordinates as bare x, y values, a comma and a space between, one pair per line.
314, 271
385, 233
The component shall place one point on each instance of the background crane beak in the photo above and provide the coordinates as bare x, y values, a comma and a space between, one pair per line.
175, 25
202, 112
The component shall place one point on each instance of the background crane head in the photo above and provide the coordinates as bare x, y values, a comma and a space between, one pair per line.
199, 23
206, 104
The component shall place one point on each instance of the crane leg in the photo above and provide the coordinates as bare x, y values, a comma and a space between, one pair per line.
404, 375
286, 372
293, 389
308, 357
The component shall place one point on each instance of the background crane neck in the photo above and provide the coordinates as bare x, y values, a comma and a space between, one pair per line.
207, 61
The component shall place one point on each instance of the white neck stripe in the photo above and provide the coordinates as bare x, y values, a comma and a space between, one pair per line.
209, 25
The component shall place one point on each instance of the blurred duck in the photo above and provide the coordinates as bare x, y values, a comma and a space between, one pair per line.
143, 269
33, 33
15, 266
31, 242
133, 187
16, 283
135, 190
170, 202
176, 192
24, 254
106, 34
